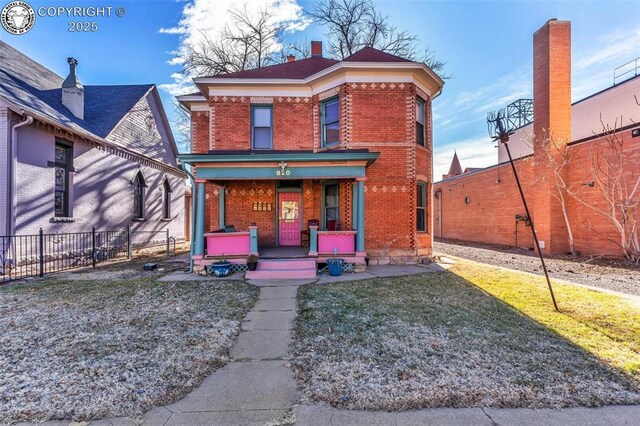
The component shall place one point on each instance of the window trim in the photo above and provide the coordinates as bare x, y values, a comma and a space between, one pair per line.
166, 199
139, 179
67, 166
422, 187
323, 122
323, 204
253, 108
422, 102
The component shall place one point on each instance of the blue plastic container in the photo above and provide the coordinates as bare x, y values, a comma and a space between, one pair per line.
335, 267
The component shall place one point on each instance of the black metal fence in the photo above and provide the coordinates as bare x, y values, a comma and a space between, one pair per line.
23, 256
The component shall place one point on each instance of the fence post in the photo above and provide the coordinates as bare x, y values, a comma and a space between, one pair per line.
167, 241
128, 241
93, 245
41, 253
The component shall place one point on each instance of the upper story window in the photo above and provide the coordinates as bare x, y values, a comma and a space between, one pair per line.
261, 127
421, 207
63, 165
330, 111
138, 196
420, 122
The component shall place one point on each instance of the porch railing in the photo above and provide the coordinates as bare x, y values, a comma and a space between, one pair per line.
237, 243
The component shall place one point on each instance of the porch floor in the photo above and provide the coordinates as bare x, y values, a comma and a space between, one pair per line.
283, 252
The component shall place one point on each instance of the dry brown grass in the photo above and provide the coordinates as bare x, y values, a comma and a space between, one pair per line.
437, 340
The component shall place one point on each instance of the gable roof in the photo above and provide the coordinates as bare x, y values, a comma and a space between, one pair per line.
29, 85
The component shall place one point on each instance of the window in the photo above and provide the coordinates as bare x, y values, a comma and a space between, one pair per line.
420, 120
138, 196
421, 207
166, 199
330, 207
330, 112
62, 164
261, 126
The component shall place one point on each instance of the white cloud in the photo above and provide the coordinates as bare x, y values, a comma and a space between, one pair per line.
473, 152
208, 18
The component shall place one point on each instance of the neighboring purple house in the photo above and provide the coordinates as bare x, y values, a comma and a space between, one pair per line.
73, 156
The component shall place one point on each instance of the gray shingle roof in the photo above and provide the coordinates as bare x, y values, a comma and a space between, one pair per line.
28, 84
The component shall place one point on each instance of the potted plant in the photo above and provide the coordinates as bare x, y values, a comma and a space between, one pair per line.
252, 261
221, 268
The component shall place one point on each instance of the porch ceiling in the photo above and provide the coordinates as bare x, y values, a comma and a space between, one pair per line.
281, 164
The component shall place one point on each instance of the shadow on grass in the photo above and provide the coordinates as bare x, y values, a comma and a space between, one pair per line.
437, 340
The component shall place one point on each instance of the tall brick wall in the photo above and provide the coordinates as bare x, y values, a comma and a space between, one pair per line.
494, 202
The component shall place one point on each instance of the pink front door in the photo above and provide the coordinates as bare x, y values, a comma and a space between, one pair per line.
289, 218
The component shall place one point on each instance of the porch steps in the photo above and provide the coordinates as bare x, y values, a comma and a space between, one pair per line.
283, 269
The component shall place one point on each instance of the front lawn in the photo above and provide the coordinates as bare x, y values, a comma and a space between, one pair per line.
84, 346
474, 336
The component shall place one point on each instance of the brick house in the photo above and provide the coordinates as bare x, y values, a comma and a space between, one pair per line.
484, 205
317, 157
77, 156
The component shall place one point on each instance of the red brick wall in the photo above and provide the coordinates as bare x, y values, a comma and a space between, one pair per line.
490, 215
380, 117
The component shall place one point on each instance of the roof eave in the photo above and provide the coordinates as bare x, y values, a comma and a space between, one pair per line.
192, 158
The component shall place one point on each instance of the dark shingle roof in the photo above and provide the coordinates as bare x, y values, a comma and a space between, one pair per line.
28, 84
304, 68
296, 70
369, 54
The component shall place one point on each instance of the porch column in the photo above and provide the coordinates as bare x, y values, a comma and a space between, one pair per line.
198, 251
360, 217
313, 240
253, 236
221, 195
354, 206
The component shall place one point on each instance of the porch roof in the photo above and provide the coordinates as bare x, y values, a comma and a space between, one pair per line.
255, 164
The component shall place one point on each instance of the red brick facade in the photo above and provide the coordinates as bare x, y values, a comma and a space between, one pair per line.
377, 116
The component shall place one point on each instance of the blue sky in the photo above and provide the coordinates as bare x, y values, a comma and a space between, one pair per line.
487, 46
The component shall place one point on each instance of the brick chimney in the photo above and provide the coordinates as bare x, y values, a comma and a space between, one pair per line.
316, 48
73, 91
291, 58
551, 119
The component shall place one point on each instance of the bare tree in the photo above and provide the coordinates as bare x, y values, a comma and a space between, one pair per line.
555, 158
251, 40
354, 24
618, 188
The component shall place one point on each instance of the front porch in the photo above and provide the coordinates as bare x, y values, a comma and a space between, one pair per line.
313, 209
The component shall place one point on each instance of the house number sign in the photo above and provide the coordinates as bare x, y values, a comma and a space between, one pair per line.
283, 169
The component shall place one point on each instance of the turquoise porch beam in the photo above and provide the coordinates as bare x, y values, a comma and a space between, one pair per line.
221, 204
360, 216
293, 172
199, 225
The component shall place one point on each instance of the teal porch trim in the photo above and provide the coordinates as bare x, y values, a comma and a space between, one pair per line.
313, 240
354, 206
253, 236
360, 221
199, 234
221, 204
335, 172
